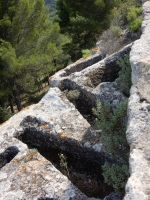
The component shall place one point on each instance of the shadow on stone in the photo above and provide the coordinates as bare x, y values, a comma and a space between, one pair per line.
84, 175
8, 155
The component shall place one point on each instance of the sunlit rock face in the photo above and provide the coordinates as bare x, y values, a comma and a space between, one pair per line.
25, 174
138, 132
56, 123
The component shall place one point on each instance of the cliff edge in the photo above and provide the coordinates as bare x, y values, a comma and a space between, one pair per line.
138, 132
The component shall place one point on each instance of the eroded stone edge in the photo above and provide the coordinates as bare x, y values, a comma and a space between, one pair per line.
138, 134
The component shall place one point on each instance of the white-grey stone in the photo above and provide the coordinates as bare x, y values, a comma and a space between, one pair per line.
138, 132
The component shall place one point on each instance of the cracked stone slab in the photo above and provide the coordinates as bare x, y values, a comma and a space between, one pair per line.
79, 65
31, 176
56, 123
59, 125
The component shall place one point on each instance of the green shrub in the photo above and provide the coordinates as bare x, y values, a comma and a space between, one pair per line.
73, 95
116, 30
120, 11
113, 126
86, 53
4, 114
115, 175
124, 79
134, 18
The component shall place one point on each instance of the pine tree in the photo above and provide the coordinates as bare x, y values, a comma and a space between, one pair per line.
84, 21
30, 46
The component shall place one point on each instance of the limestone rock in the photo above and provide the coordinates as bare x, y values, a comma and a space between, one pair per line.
138, 132
29, 175
91, 75
96, 81
78, 66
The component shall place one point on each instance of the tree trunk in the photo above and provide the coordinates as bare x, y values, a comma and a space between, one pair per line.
17, 99
15, 94
10, 103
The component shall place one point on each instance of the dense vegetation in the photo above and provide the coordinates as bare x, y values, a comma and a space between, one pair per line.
113, 126
30, 48
84, 22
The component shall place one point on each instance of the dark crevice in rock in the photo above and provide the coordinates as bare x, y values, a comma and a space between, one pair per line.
39, 138
108, 73
82, 105
8, 155
85, 102
84, 175
83, 163
85, 110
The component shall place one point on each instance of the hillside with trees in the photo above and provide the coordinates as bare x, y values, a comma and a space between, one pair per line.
37, 38
86, 22
30, 48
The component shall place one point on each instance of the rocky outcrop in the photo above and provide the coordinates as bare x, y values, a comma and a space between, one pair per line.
105, 70
52, 123
94, 82
56, 123
138, 132
25, 174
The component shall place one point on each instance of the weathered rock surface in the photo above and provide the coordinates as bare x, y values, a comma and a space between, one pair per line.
54, 122
138, 132
105, 70
94, 82
29, 175
78, 66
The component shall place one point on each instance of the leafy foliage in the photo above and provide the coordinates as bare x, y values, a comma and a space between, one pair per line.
134, 18
86, 53
116, 175
116, 30
124, 79
113, 126
83, 21
29, 50
120, 30
120, 12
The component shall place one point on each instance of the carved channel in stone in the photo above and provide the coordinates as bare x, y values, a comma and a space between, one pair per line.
82, 64
8, 155
83, 163
84, 175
